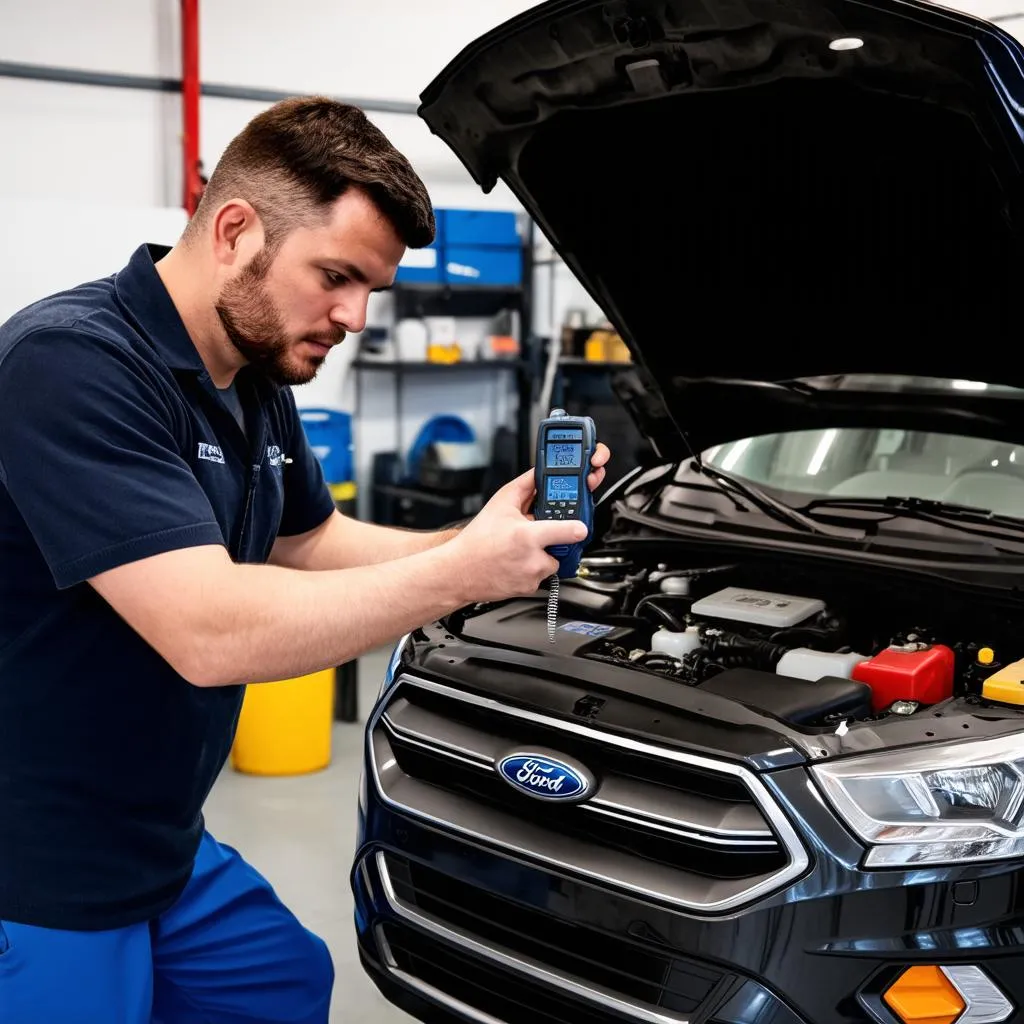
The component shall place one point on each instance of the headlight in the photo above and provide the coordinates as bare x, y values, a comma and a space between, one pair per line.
957, 802
396, 660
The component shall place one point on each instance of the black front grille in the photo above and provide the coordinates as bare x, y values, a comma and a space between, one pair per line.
629, 967
659, 822
673, 775
502, 994
699, 856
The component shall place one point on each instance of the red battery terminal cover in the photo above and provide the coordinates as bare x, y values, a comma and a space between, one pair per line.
914, 671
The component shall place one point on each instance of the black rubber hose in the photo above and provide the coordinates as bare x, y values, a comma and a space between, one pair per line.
794, 633
733, 650
664, 614
653, 657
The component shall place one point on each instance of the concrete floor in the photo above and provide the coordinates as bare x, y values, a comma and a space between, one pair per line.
300, 833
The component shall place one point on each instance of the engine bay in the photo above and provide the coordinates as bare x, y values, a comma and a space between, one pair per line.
802, 647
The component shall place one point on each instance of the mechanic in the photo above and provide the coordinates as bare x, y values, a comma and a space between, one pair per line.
166, 536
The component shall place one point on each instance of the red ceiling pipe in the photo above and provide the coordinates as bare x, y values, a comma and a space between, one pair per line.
193, 181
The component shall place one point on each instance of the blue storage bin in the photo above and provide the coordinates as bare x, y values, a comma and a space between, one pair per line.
437, 428
330, 436
483, 266
425, 266
481, 227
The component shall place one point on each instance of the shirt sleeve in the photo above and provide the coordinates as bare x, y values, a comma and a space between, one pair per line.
307, 498
89, 456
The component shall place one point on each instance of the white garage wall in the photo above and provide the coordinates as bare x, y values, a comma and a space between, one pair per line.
388, 50
52, 244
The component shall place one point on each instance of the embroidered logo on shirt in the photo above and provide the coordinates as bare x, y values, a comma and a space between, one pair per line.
210, 452
274, 455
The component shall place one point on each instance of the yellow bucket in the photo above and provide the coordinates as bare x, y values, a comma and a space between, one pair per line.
285, 726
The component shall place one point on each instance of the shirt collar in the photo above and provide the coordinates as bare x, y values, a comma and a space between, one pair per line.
142, 292
140, 289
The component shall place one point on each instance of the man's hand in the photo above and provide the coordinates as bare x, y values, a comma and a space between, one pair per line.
501, 552
598, 462
594, 479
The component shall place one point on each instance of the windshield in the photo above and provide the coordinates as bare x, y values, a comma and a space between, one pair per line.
873, 463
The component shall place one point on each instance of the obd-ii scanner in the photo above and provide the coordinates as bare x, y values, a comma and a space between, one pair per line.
565, 446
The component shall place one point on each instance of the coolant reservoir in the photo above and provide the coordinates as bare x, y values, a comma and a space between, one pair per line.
1006, 685
804, 663
678, 586
909, 672
668, 641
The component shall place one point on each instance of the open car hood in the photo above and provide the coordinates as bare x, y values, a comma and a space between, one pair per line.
751, 205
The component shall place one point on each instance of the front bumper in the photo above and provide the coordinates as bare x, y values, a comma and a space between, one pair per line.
453, 927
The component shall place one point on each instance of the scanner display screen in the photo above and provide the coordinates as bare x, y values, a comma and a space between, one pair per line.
562, 488
563, 454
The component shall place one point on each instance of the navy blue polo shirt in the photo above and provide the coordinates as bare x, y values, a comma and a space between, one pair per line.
114, 446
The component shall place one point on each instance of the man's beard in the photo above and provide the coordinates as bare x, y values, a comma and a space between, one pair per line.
254, 326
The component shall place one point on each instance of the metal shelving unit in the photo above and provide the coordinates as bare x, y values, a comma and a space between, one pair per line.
401, 369
419, 300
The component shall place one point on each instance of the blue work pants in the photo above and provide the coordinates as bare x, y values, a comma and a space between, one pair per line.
227, 952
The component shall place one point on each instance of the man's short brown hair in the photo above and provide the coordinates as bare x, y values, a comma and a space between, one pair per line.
294, 160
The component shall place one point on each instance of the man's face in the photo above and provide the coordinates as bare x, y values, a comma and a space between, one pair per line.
285, 312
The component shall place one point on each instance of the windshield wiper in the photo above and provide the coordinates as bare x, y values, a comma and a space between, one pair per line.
779, 510
930, 510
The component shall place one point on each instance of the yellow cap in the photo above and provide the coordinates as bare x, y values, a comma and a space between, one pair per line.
986, 656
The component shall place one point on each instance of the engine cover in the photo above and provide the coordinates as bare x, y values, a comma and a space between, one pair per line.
760, 607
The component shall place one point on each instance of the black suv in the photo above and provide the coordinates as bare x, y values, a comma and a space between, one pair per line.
772, 768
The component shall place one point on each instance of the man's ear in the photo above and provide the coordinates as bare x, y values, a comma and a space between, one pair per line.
237, 232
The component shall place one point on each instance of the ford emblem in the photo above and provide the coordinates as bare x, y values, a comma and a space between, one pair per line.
545, 776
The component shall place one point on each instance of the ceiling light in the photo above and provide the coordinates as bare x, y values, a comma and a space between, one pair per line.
846, 43
738, 448
818, 458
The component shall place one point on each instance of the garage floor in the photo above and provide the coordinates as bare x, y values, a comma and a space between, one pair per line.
300, 833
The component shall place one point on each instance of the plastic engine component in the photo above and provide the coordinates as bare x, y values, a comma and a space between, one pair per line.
1006, 685
760, 607
676, 644
912, 672
797, 701
805, 663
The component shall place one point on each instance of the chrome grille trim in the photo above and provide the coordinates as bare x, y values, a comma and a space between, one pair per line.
645, 822
464, 752
422, 801
425, 989
532, 970
482, 751
752, 836
434, 748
